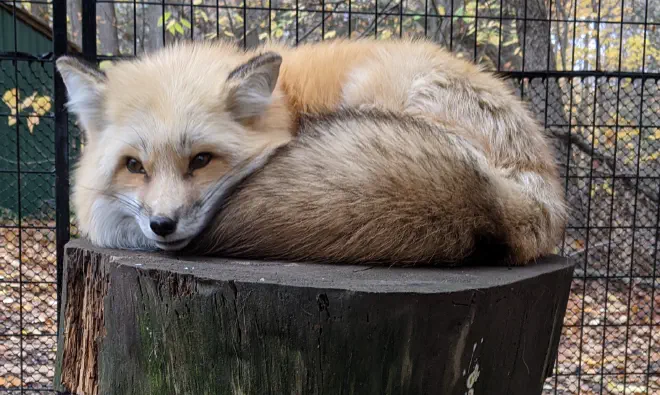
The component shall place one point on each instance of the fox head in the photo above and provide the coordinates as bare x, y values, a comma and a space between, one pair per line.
165, 135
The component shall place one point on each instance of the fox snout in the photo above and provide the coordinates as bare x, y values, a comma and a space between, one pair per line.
169, 207
169, 232
162, 226
166, 220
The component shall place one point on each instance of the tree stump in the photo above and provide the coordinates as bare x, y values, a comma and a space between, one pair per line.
140, 323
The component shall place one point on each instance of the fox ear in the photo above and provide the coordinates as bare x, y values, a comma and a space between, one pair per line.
85, 85
252, 85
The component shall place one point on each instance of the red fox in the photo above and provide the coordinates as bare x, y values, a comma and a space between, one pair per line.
344, 151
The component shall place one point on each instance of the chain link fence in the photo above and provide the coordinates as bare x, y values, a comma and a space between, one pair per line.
589, 69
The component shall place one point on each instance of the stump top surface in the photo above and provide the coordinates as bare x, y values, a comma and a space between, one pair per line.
359, 278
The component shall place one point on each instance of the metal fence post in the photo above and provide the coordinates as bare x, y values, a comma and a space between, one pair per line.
62, 218
61, 142
89, 30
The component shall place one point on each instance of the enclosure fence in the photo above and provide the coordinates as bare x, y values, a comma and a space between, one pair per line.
589, 70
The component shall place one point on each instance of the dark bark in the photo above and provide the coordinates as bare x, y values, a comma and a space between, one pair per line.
74, 11
107, 28
534, 35
152, 34
148, 324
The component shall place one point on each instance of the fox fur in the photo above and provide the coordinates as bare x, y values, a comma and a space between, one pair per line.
351, 151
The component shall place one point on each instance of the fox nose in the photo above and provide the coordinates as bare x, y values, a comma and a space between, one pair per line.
162, 226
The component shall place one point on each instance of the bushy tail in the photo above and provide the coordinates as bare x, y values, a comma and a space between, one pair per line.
378, 187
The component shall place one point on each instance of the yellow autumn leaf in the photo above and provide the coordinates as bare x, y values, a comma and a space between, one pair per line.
653, 156
9, 98
609, 137
578, 244
104, 65
616, 388
591, 362
11, 121
42, 105
628, 134
494, 40
32, 122
330, 34
655, 135
27, 102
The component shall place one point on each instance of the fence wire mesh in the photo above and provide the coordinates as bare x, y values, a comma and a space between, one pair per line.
589, 69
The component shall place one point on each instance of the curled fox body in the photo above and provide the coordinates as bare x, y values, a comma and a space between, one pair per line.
347, 151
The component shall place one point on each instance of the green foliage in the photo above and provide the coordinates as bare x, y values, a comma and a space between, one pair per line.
175, 26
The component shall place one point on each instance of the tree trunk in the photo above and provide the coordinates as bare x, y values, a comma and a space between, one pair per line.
107, 26
534, 35
152, 34
137, 323
74, 11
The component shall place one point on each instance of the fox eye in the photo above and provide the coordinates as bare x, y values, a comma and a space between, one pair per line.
200, 160
135, 166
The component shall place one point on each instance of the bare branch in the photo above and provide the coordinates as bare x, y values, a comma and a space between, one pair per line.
329, 14
371, 26
585, 146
